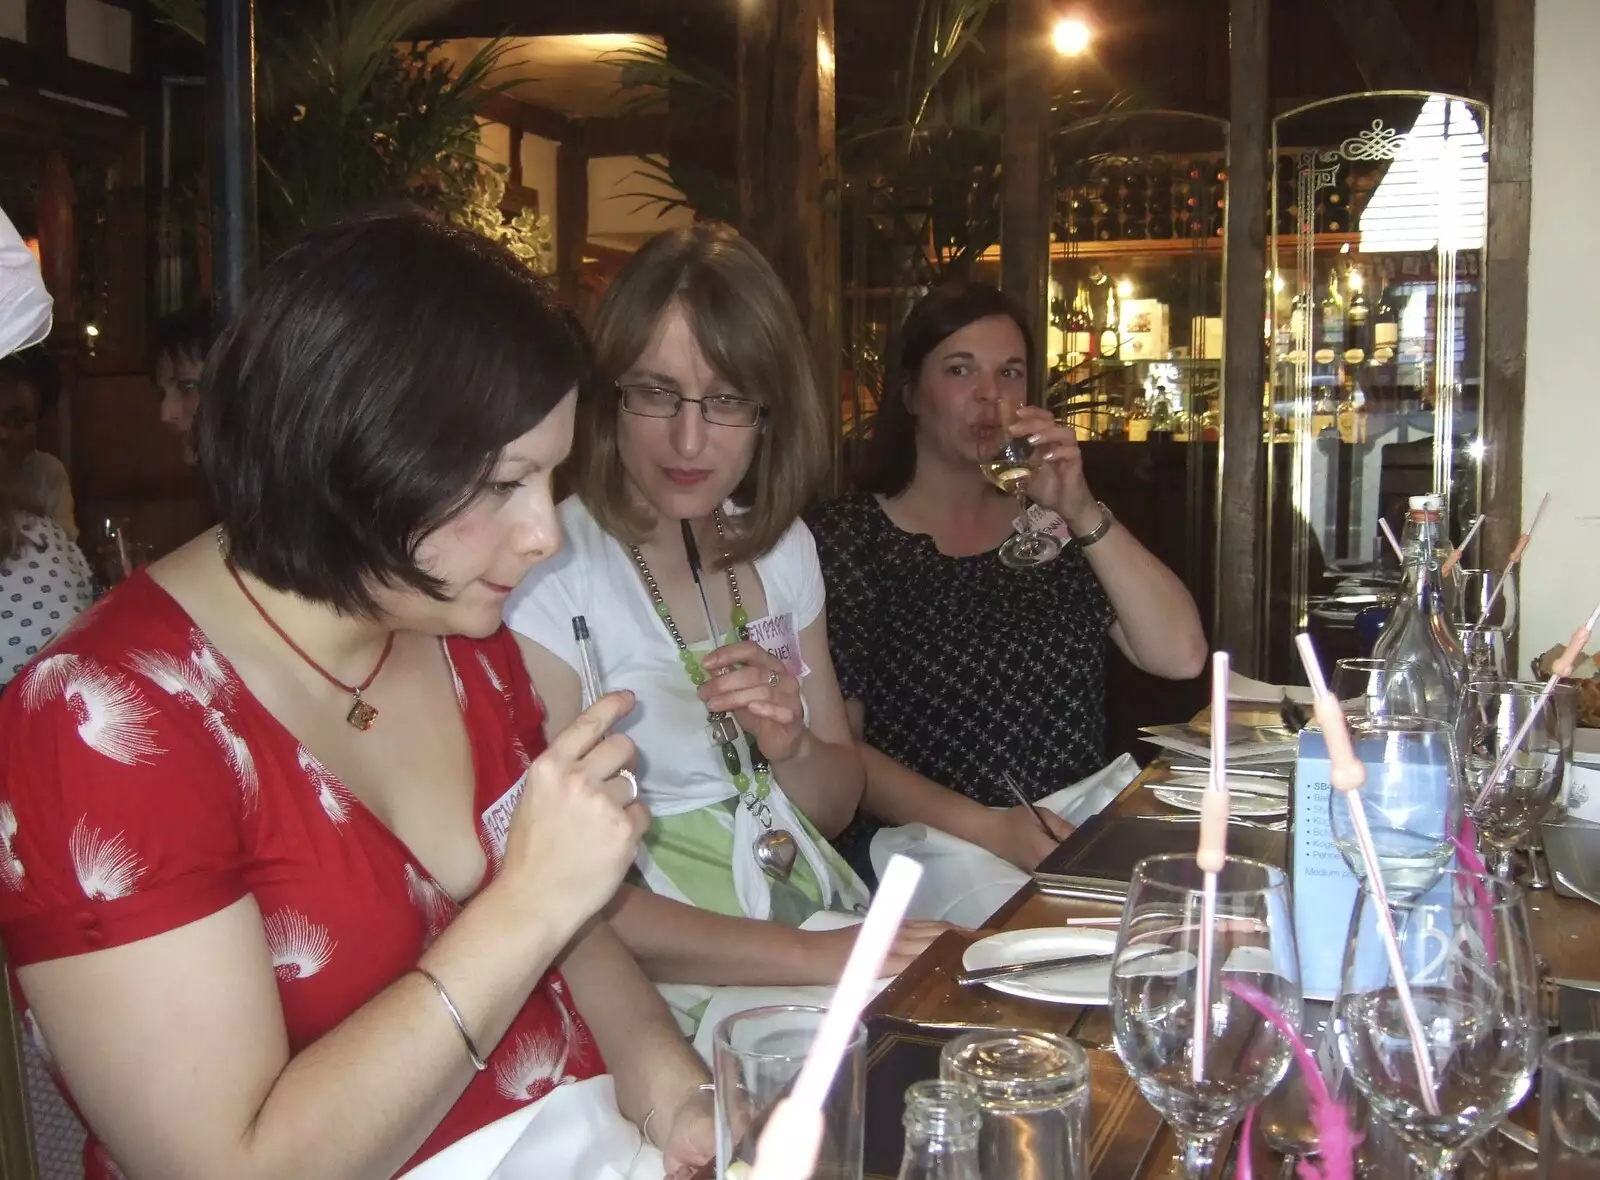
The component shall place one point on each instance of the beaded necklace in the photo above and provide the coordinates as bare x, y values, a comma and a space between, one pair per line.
722, 728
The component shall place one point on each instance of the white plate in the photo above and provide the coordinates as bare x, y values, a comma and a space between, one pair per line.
1069, 985
1250, 805
1586, 746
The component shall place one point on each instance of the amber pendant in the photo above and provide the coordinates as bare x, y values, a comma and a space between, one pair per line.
361, 715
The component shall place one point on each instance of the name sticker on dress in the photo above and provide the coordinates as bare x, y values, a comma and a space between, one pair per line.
496, 819
1043, 520
777, 635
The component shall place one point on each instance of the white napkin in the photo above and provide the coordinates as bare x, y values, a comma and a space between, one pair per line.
575, 1132
1258, 692
963, 883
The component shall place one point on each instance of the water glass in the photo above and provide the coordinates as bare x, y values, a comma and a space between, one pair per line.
1412, 799
756, 1057
1483, 653
1033, 1094
1360, 685
1472, 982
1569, 1108
1476, 588
1506, 810
1161, 1012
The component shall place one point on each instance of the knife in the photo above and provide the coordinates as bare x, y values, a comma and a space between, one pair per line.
1254, 791
1580, 985
984, 974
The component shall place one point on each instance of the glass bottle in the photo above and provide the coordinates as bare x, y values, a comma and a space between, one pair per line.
941, 1122
1418, 643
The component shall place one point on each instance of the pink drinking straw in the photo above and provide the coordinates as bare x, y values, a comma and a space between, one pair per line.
1454, 559
1388, 534
1211, 855
1347, 776
1511, 562
1559, 670
787, 1149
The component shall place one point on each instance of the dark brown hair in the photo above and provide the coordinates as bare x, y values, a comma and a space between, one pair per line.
891, 458
750, 334
362, 397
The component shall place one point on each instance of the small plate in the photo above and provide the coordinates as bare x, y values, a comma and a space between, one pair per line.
1089, 985
1243, 805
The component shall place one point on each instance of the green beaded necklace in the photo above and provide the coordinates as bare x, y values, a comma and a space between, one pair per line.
723, 729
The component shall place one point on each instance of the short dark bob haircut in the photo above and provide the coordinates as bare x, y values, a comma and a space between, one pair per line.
891, 459
185, 333
363, 396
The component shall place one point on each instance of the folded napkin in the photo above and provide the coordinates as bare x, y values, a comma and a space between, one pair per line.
575, 1132
963, 883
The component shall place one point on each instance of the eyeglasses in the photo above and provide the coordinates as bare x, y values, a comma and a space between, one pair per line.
651, 401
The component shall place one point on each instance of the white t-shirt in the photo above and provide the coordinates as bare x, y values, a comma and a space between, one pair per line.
44, 585
679, 769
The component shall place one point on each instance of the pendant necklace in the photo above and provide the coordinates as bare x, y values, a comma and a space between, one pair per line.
361, 714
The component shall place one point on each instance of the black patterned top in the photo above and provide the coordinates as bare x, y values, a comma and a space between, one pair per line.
966, 668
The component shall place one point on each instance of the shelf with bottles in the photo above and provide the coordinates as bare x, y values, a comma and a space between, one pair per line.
1113, 400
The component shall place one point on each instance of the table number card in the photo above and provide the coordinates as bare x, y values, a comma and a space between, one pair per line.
1324, 888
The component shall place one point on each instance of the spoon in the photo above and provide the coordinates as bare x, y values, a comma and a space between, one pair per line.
775, 853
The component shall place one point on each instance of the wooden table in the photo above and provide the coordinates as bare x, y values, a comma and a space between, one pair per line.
1566, 933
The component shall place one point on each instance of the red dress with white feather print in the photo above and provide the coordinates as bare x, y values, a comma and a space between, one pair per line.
142, 787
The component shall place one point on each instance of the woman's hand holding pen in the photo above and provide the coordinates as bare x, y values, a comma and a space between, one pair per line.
752, 684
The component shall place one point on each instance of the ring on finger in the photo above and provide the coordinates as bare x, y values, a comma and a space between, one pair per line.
772, 678
633, 784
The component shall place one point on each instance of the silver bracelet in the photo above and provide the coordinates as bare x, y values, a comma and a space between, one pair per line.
644, 1127
1099, 530
478, 1063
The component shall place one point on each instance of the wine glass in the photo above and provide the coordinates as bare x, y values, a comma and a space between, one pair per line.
1483, 652
1511, 807
1009, 464
1155, 986
1467, 959
1412, 799
1361, 685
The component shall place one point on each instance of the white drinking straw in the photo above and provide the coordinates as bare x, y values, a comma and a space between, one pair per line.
1211, 855
1388, 534
1511, 562
787, 1149
1454, 559
1559, 670
1347, 776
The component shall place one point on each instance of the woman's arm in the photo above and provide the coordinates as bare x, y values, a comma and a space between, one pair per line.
897, 794
175, 1047
1158, 626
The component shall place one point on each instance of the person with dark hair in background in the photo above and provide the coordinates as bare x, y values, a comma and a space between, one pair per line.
178, 360
38, 479
290, 877
967, 670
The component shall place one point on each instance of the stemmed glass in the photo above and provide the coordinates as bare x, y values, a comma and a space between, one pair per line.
1467, 956
1361, 686
1476, 587
1009, 464
1155, 995
1491, 715
1412, 799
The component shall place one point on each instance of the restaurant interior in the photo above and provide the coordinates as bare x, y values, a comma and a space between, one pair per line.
1293, 265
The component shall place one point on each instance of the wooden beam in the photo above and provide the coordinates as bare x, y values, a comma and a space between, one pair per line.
572, 215
1505, 328
527, 117
23, 65
787, 160
1240, 609
46, 22
1025, 173
1381, 44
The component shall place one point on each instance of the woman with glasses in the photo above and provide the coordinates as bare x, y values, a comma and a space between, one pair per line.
710, 439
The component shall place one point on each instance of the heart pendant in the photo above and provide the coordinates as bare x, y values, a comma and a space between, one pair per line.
775, 853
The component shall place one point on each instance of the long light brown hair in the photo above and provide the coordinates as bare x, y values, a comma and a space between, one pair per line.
749, 332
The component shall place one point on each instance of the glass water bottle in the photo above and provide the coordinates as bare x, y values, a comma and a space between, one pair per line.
1419, 644
941, 1123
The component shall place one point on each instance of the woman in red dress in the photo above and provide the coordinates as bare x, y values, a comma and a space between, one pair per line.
290, 881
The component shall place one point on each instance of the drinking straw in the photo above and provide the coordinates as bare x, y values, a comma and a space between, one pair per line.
787, 1149
1454, 559
1211, 855
1347, 776
1511, 561
1388, 534
1559, 670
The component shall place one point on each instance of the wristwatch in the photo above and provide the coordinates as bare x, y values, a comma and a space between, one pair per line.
1099, 530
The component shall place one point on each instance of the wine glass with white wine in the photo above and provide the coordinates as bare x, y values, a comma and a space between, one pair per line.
1009, 464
